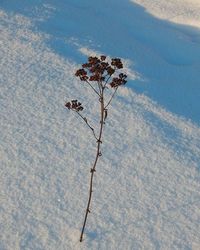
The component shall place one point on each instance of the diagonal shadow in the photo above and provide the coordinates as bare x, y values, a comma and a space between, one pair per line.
166, 55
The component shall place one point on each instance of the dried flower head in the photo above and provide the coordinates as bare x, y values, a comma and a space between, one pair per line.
74, 105
118, 81
117, 63
97, 68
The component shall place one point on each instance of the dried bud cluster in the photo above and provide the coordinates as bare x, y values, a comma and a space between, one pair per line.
74, 105
117, 62
117, 81
82, 74
96, 69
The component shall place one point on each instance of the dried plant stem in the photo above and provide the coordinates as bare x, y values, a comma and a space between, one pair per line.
98, 154
112, 96
93, 88
100, 75
85, 120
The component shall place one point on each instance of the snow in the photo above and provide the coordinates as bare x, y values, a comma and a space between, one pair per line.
178, 11
147, 185
166, 56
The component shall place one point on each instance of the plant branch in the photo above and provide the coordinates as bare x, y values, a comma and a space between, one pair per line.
107, 81
93, 88
112, 96
85, 120
99, 88
93, 169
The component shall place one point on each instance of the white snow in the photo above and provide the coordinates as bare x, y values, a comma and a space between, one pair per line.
178, 11
147, 185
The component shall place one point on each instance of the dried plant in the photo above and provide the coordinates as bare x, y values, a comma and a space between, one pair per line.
100, 75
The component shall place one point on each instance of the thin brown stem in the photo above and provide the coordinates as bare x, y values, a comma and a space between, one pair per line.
98, 154
112, 96
106, 82
99, 87
85, 120
93, 88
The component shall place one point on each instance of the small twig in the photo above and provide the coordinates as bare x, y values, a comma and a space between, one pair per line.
111, 98
85, 120
106, 82
99, 88
93, 88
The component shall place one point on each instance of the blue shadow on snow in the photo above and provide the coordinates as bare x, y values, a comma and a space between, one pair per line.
167, 56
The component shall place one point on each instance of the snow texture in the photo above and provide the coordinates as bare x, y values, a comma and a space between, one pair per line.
178, 11
147, 185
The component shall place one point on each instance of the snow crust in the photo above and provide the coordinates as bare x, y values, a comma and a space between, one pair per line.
147, 187
178, 11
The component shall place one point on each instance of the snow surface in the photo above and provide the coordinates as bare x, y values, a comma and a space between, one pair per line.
178, 11
165, 56
147, 186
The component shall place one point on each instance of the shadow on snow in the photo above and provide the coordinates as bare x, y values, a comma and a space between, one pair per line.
167, 56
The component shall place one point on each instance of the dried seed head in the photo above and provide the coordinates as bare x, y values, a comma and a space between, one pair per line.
118, 81
97, 69
110, 70
103, 58
117, 63
74, 105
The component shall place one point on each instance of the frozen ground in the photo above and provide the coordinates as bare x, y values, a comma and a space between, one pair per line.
147, 187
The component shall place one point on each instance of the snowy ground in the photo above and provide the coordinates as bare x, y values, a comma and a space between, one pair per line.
178, 11
147, 187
